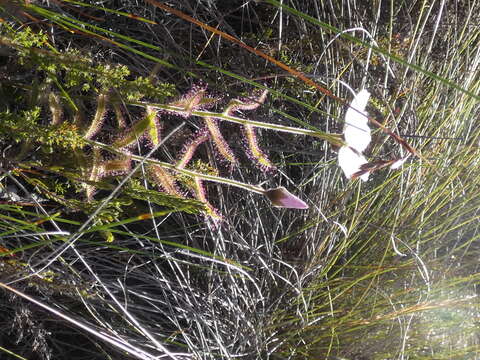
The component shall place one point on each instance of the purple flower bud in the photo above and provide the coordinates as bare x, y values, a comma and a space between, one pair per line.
280, 197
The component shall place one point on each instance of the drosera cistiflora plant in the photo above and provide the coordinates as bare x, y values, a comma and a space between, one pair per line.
149, 126
97, 165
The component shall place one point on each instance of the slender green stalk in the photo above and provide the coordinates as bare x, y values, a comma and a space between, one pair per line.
189, 173
335, 139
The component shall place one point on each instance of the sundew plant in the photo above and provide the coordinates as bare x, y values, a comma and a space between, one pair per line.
239, 179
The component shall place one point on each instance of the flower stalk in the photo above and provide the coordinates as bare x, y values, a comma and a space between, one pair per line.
189, 173
334, 139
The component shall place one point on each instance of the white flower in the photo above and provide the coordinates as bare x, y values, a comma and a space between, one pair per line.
357, 136
356, 130
351, 161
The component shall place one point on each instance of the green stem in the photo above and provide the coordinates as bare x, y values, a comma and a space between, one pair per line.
335, 139
189, 173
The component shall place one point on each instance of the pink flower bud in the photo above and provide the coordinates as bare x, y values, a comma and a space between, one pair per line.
280, 197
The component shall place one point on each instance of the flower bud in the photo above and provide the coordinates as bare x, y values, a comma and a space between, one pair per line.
280, 197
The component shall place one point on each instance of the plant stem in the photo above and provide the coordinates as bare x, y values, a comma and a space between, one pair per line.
335, 139
190, 173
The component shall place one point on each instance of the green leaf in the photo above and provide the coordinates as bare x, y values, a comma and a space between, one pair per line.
136, 191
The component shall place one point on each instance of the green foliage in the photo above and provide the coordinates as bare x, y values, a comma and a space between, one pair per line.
77, 73
141, 87
24, 126
202, 168
27, 39
135, 190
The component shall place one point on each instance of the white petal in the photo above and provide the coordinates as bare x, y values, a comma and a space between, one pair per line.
350, 162
356, 131
365, 176
397, 164
360, 100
